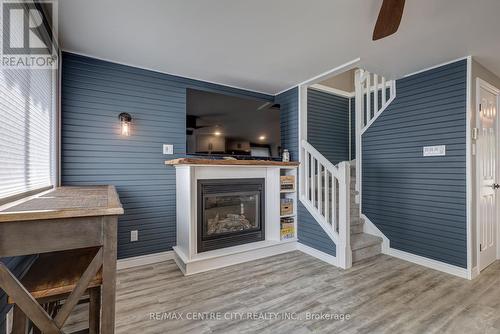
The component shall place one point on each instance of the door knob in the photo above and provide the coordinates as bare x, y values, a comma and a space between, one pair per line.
496, 185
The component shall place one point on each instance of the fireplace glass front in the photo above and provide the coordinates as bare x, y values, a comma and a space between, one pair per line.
230, 212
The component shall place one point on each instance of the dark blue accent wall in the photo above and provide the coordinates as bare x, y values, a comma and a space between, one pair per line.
419, 202
310, 232
328, 124
289, 118
94, 93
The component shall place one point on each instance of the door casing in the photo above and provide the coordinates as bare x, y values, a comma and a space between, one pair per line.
485, 85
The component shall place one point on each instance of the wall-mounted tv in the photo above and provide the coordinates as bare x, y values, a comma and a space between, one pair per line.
227, 125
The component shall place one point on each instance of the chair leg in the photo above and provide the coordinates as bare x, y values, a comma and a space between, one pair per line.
19, 321
94, 310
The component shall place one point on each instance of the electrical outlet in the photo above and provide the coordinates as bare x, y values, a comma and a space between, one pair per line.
168, 149
134, 235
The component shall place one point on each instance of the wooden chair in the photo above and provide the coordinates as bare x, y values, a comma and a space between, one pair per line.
52, 278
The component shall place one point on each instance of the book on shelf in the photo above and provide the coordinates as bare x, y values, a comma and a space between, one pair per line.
287, 222
287, 182
286, 207
287, 233
287, 228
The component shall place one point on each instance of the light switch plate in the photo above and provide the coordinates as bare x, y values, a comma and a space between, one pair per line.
168, 149
134, 235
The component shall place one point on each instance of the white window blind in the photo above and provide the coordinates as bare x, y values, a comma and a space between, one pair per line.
27, 130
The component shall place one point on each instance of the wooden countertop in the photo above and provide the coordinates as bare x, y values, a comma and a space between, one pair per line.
64, 202
221, 162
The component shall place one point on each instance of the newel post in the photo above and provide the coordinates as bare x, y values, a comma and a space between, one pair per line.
344, 253
359, 120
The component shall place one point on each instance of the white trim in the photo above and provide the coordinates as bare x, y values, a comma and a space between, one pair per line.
319, 220
486, 85
302, 103
435, 66
377, 114
320, 77
429, 263
370, 228
144, 260
330, 259
231, 255
482, 83
172, 74
332, 90
474, 273
343, 93
58, 148
468, 168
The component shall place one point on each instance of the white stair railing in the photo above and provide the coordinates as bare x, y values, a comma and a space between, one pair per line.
373, 95
325, 193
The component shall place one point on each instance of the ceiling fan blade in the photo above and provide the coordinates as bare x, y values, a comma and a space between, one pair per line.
389, 18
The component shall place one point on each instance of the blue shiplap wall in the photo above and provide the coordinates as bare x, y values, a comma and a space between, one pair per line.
419, 202
289, 118
328, 124
94, 92
309, 231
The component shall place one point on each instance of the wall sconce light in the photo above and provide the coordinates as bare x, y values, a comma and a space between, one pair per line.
125, 120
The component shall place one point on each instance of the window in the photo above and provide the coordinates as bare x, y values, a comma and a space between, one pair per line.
28, 130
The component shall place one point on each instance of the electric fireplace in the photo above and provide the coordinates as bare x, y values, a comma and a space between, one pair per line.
230, 212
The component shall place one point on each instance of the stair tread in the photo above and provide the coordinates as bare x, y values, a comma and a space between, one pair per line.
363, 240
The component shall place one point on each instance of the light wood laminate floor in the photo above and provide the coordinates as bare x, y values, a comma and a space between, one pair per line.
381, 295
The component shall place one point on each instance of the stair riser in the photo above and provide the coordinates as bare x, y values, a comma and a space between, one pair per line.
367, 252
357, 228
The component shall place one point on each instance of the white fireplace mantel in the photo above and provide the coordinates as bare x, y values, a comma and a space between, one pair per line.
188, 172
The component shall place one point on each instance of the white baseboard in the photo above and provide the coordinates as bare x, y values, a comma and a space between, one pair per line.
429, 263
233, 255
330, 259
144, 260
370, 228
474, 272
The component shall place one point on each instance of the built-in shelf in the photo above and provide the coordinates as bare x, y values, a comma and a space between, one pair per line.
291, 194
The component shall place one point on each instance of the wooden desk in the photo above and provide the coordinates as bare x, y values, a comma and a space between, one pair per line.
61, 219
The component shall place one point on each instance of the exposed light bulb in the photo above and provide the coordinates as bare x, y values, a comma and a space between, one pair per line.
125, 129
125, 120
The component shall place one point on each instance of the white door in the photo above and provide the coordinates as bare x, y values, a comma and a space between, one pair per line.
487, 151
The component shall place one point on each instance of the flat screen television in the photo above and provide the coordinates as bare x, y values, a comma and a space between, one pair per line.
221, 125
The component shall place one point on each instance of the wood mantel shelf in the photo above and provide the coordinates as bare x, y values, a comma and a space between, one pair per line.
222, 162
64, 202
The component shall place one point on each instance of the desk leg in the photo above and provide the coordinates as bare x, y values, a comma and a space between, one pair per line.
109, 274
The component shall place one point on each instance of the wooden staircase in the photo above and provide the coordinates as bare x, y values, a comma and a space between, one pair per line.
363, 245
329, 191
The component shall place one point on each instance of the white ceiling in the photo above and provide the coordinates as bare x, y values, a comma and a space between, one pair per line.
271, 45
